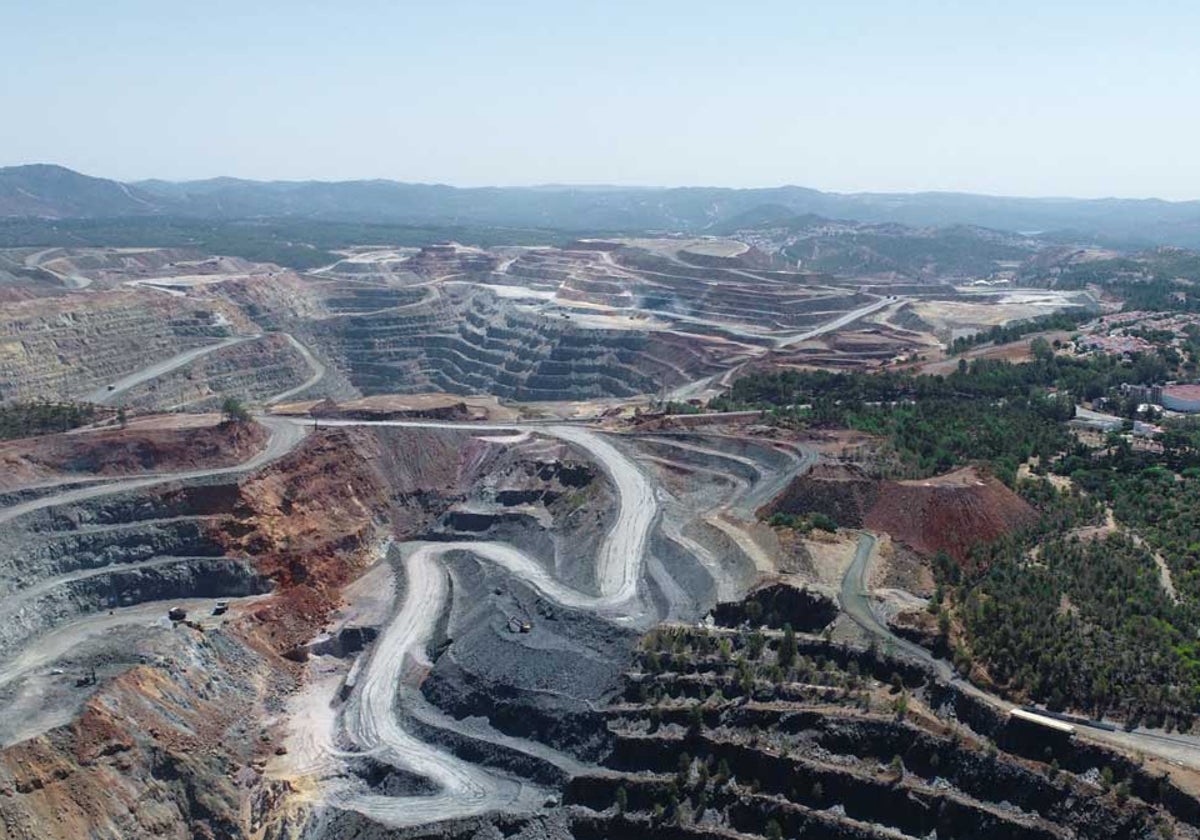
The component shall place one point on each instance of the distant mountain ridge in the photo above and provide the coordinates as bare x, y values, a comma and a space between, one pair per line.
54, 192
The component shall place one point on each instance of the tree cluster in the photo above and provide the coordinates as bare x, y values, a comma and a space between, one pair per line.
25, 419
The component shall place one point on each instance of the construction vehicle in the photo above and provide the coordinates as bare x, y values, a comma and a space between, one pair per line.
86, 679
221, 608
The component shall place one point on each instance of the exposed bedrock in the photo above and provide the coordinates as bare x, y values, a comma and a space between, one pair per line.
730, 557
474, 742
163, 750
155, 580
1082, 756
545, 498
67, 561
537, 684
251, 371
56, 553
693, 754
198, 499
683, 587
955, 792
697, 451
174, 732
59, 348
482, 345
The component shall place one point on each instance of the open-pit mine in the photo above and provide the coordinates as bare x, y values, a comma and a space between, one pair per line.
439, 542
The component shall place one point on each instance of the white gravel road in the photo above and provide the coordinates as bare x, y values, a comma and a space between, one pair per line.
400, 657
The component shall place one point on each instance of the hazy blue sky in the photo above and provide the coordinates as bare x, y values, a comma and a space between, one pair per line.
1035, 98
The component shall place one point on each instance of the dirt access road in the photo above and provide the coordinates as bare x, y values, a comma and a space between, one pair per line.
285, 436
109, 393
856, 602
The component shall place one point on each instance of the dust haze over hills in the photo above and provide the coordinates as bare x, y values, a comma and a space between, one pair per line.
53, 192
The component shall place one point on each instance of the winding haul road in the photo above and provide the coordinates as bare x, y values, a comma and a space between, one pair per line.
285, 436
108, 394
314, 364
399, 658
372, 718
836, 323
105, 396
42, 647
372, 722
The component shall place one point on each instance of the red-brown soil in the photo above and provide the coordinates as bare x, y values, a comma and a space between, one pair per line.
309, 523
948, 513
112, 452
175, 744
175, 747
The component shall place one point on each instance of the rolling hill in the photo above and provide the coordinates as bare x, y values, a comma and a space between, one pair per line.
54, 192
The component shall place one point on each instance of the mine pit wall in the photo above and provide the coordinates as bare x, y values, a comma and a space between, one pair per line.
969, 771
1077, 756
251, 371
660, 446
161, 751
555, 480
186, 578
52, 356
29, 494
866, 798
594, 827
495, 756
62, 552
761, 452
866, 801
536, 685
687, 576
119, 551
541, 685
498, 348
170, 749
199, 499
779, 605
972, 783
562, 723
98, 770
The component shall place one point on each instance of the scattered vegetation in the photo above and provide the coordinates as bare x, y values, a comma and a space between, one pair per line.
1017, 330
294, 243
804, 523
1074, 618
234, 411
755, 664
1161, 280
1064, 613
25, 419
